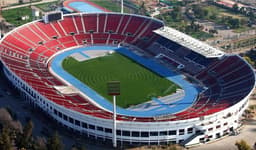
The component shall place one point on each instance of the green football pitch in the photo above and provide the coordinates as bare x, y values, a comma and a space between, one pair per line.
137, 84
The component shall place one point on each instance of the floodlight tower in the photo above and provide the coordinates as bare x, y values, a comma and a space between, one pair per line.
122, 6
114, 90
1, 22
0, 9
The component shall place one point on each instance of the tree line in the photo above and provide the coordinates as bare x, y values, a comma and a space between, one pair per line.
15, 136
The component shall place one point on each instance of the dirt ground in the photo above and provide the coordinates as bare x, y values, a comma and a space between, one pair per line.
147, 3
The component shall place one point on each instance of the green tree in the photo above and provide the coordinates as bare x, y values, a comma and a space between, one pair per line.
243, 10
54, 142
176, 13
39, 144
235, 8
20, 1
242, 145
213, 31
142, 8
248, 59
233, 22
5, 139
200, 12
27, 131
252, 16
213, 16
24, 139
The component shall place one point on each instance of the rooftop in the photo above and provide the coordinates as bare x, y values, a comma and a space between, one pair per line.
189, 42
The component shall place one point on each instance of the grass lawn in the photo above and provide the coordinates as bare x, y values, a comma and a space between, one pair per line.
243, 29
232, 15
201, 35
137, 83
47, 6
181, 25
13, 16
223, 12
110, 5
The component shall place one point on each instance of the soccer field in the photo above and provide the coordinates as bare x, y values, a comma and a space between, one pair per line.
137, 83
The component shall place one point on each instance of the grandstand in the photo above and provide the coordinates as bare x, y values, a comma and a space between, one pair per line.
219, 83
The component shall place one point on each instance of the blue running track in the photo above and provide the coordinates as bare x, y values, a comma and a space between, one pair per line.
191, 92
84, 7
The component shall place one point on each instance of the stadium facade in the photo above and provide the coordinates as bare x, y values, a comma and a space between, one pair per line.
227, 80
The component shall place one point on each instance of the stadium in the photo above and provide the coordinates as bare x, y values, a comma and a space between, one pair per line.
210, 89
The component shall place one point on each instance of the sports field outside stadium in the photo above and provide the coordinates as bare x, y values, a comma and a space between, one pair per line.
138, 84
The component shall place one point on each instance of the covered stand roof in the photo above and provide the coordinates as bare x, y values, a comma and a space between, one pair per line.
189, 42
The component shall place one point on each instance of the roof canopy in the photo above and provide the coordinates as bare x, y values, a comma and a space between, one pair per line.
189, 42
